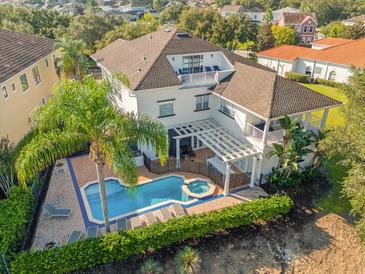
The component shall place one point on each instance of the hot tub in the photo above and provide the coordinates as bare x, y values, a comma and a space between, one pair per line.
198, 188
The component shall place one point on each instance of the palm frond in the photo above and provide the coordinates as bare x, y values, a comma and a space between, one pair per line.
44, 150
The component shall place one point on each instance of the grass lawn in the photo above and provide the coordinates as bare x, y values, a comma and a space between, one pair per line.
335, 116
333, 201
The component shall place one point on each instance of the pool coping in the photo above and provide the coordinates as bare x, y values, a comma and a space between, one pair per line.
89, 223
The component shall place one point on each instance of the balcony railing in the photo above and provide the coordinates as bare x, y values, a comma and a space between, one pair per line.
199, 77
274, 136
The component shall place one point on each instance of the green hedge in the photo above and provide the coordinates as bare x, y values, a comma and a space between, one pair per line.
14, 214
298, 77
117, 246
330, 83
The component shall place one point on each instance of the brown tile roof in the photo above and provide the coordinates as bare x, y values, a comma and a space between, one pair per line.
331, 41
231, 8
268, 94
296, 18
144, 59
351, 53
19, 50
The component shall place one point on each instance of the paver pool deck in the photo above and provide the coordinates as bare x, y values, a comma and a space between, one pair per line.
61, 193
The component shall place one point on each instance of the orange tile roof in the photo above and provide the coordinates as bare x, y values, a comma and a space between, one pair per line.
330, 41
351, 53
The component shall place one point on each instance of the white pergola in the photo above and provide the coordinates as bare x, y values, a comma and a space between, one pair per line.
221, 142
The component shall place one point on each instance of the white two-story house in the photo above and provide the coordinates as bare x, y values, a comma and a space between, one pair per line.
208, 97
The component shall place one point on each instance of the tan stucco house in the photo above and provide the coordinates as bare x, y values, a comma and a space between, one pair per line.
27, 74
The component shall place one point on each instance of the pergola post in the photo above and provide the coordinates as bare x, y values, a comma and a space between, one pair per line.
253, 172
260, 167
265, 134
178, 165
226, 180
307, 119
324, 119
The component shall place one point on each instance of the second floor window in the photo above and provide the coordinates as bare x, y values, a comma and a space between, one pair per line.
192, 63
202, 102
24, 82
36, 75
13, 87
305, 29
5, 92
226, 108
166, 109
311, 28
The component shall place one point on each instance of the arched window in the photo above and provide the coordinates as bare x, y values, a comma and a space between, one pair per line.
308, 70
332, 76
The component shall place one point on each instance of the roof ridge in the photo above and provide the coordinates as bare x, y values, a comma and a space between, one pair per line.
349, 42
154, 62
272, 95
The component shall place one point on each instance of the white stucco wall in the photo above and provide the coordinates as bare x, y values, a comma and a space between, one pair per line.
280, 66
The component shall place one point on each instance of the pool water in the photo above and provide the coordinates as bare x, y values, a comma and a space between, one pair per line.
198, 187
122, 201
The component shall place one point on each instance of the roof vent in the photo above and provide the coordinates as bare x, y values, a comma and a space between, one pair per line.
150, 36
167, 29
183, 35
139, 69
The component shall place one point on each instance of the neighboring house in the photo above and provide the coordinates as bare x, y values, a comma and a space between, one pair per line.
255, 14
276, 14
304, 24
208, 97
229, 10
355, 20
131, 8
330, 58
27, 73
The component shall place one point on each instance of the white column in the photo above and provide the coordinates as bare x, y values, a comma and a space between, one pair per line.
307, 120
226, 180
178, 153
260, 160
253, 172
265, 134
324, 119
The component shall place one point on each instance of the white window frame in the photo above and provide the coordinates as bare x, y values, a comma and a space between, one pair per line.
202, 102
5, 92
164, 103
305, 29
11, 86
226, 108
26, 78
311, 29
192, 63
36, 75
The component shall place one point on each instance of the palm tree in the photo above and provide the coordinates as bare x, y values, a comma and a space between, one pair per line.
84, 114
151, 267
188, 261
73, 62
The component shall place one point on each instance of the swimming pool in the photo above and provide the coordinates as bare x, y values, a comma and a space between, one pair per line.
121, 201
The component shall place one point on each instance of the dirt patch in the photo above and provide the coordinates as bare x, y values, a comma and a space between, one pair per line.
305, 242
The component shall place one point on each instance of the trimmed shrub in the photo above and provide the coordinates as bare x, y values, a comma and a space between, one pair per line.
298, 77
14, 214
330, 83
118, 246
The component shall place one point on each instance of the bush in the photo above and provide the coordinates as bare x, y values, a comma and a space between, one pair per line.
298, 77
14, 213
330, 83
117, 246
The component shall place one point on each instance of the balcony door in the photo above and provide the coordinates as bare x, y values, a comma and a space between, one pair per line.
192, 63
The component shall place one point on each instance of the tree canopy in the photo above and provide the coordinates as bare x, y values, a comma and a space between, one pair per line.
283, 35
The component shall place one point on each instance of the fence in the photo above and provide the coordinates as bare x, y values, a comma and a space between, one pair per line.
191, 166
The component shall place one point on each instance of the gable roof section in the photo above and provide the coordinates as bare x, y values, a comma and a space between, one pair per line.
296, 18
20, 50
144, 59
350, 53
268, 94
231, 8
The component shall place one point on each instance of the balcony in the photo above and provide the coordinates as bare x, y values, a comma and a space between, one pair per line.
206, 77
255, 134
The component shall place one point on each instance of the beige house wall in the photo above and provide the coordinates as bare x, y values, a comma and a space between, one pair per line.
17, 108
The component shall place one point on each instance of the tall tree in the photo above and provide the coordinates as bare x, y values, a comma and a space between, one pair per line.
283, 35
265, 38
73, 62
172, 13
84, 114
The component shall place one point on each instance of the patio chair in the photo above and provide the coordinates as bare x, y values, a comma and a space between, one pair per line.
216, 68
74, 236
166, 214
136, 222
56, 212
122, 225
92, 232
208, 69
151, 219
178, 210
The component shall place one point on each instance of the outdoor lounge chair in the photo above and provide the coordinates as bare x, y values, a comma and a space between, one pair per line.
136, 222
74, 236
151, 219
207, 69
92, 232
166, 214
216, 68
56, 212
178, 210
122, 225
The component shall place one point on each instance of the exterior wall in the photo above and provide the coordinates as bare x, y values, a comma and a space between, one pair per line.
307, 37
255, 16
280, 66
16, 110
127, 100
